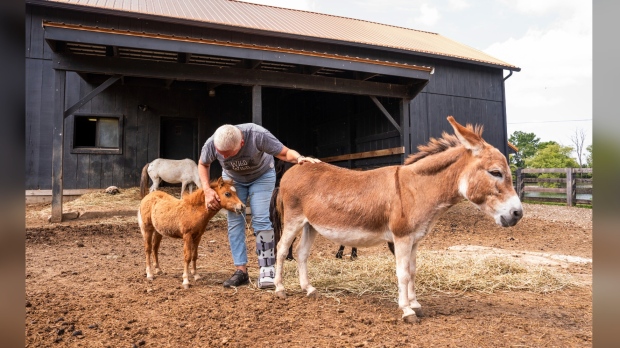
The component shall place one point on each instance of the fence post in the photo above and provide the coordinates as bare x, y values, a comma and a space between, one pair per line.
520, 184
571, 188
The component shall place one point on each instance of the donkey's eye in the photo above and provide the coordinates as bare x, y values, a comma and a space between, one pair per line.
496, 173
228, 194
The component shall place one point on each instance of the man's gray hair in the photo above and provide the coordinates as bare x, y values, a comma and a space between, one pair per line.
227, 137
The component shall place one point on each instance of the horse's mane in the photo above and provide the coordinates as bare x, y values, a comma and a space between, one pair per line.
195, 198
436, 146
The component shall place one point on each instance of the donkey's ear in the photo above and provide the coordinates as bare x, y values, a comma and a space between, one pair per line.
466, 136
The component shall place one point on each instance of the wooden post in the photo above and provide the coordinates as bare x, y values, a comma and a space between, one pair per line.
569, 187
60, 77
520, 184
257, 105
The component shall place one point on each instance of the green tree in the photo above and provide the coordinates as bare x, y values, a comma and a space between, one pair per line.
552, 155
527, 143
589, 156
544, 144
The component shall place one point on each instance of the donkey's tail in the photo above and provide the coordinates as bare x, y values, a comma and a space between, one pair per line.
144, 181
275, 211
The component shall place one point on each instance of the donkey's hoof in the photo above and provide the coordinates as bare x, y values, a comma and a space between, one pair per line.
411, 319
418, 311
313, 294
186, 286
281, 294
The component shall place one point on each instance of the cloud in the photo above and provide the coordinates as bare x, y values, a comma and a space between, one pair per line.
457, 5
555, 83
428, 15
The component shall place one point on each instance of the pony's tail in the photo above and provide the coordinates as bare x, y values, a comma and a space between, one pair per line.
275, 211
144, 181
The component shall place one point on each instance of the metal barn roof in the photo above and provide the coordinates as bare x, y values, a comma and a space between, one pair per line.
291, 22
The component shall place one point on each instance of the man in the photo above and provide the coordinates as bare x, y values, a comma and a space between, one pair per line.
246, 153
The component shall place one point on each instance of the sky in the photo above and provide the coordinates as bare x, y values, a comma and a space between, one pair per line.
550, 40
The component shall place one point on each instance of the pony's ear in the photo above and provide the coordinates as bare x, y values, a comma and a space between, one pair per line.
220, 182
469, 139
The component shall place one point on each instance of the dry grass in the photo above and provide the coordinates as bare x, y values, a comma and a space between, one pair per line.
98, 201
437, 272
128, 198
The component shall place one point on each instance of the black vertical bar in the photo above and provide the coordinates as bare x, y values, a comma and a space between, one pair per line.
257, 105
60, 77
405, 134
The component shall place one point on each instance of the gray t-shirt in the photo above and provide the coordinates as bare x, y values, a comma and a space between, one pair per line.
253, 160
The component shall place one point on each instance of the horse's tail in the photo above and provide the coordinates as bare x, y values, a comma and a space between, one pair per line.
275, 212
144, 181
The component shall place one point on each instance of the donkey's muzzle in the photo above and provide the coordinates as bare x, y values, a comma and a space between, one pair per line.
510, 220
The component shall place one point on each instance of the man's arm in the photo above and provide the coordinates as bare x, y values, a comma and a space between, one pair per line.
292, 156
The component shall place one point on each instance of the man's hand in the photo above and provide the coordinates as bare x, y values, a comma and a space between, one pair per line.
212, 201
302, 159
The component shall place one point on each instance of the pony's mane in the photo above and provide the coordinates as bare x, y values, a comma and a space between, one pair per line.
436, 146
195, 198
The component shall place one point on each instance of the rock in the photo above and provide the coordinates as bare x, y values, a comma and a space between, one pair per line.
67, 216
112, 190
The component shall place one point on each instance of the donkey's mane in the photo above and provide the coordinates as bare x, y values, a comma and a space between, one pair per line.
436, 146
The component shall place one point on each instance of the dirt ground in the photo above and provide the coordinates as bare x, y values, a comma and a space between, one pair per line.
86, 287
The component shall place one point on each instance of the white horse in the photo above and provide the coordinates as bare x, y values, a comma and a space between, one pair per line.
183, 171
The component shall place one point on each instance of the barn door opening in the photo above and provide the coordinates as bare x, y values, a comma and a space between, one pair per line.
179, 138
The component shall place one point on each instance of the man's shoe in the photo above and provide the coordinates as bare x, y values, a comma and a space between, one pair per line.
237, 279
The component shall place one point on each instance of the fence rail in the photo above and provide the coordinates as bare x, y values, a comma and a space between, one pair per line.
528, 180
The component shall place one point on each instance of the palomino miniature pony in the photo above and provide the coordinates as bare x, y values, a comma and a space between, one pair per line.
163, 215
183, 171
396, 204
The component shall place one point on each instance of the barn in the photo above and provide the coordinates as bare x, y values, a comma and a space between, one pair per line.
111, 86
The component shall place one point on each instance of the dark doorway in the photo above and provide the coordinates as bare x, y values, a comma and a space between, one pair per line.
179, 138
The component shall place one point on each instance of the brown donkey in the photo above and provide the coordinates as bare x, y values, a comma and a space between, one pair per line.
396, 204
160, 214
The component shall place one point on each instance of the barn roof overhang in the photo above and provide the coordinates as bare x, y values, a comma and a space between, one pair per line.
94, 50
110, 11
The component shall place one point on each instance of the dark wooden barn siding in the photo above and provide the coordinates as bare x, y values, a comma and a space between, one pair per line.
471, 94
319, 124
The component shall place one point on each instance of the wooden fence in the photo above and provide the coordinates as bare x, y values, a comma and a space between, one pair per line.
529, 180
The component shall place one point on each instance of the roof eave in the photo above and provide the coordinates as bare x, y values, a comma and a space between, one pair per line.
261, 32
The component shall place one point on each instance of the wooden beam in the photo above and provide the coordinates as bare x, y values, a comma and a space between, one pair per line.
365, 76
162, 42
91, 95
367, 154
60, 78
386, 113
65, 192
312, 70
190, 72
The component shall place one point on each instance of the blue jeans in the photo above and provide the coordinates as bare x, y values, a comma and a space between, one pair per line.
259, 192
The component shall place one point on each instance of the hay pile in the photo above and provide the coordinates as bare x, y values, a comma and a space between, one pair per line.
437, 272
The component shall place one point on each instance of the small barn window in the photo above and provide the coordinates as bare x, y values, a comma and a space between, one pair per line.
97, 134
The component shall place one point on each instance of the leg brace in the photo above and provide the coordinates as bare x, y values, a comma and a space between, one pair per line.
265, 245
